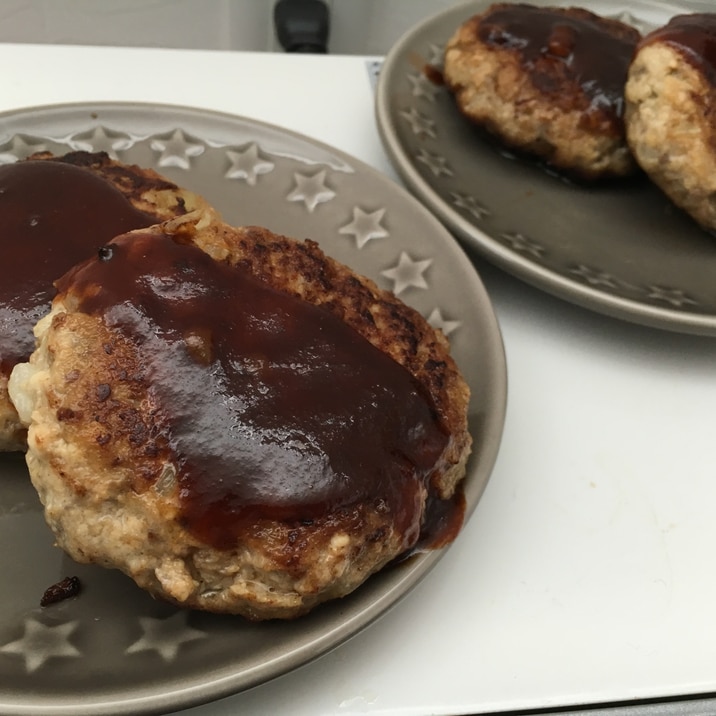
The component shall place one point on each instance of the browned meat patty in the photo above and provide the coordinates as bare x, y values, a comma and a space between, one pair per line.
548, 82
237, 421
671, 112
54, 212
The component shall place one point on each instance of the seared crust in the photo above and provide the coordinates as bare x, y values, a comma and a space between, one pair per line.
539, 107
148, 191
107, 478
145, 188
671, 127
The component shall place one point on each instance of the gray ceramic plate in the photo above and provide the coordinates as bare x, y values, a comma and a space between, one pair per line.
113, 649
621, 249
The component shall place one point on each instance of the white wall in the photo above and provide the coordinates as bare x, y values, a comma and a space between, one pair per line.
211, 24
358, 26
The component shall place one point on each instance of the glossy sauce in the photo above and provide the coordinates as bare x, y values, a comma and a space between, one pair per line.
52, 215
434, 75
695, 38
273, 408
597, 60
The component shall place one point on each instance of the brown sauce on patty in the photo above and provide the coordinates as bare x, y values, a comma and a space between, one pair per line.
271, 408
52, 215
557, 47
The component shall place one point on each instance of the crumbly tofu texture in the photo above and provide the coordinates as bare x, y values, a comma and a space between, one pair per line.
671, 128
13, 434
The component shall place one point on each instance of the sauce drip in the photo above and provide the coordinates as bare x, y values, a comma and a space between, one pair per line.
434, 75
52, 216
273, 408
585, 52
694, 36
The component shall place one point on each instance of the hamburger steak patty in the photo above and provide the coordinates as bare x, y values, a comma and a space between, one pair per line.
548, 81
671, 112
238, 422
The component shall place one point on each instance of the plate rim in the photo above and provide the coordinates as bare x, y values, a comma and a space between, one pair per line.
480, 242
339, 629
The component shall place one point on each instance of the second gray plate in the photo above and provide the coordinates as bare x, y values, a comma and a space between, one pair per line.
621, 249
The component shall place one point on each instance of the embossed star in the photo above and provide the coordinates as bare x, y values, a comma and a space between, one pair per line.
99, 141
419, 123
673, 296
436, 320
436, 163
422, 87
19, 147
407, 273
365, 226
523, 245
435, 55
176, 150
595, 277
628, 19
248, 164
311, 189
469, 204
40, 643
165, 636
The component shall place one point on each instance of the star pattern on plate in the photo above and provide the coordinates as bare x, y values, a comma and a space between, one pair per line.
98, 140
311, 189
595, 277
19, 147
165, 636
628, 19
365, 226
422, 87
437, 320
673, 296
436, 55
247, 163
41, 642
523, 245
177, 150
469, 204
437, 164
419, 123
407, 273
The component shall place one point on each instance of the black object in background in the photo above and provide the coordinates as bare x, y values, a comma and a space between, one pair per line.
302, 25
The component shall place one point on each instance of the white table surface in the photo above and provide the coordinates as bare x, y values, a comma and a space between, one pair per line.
586, 574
